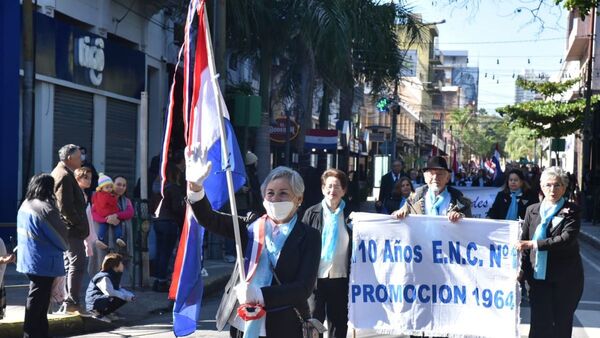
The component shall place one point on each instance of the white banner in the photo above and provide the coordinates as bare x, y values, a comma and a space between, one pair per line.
482, 199
427, 275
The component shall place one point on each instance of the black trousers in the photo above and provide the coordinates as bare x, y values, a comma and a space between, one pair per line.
36, 309
553, 305
330, 300
108, 304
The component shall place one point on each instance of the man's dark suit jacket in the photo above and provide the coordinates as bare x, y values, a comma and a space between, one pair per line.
296, 268
387, 185
561, 242
502, 202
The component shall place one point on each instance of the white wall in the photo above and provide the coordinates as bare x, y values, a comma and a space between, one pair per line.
44, 123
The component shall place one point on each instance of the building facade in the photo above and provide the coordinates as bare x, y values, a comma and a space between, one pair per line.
93, 59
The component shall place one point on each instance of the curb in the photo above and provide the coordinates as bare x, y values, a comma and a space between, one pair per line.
590, 239
61, 325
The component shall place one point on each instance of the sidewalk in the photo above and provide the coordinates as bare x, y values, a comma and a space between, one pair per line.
147, 303
590, 234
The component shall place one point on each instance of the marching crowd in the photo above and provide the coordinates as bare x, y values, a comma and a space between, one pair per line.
300, 269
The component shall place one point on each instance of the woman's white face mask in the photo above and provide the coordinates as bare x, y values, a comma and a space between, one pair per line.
279, 211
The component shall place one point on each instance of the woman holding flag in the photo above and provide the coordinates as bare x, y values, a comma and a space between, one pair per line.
550, 261
281, 257
514, 198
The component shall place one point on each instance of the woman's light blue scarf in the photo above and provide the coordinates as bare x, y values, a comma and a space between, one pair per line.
547, 212
264, 273
436, 204
513, 209
329, 233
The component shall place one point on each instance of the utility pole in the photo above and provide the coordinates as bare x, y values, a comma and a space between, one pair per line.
588, 139
28, 90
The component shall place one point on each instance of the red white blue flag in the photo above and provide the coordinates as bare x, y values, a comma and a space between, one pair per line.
201, 99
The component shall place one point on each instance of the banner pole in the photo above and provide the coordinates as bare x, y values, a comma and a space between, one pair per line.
224, 149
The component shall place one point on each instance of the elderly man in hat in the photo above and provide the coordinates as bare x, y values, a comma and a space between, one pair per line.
436, 198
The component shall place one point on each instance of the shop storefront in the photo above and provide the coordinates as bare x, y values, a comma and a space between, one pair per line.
88, 92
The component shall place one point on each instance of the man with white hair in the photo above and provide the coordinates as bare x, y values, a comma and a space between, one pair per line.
436, 198
70, 201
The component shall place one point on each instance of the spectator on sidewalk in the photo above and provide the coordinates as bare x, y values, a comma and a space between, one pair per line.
167, 226
42, 238
5, 258
83, 176
104, 204
71, 204
122, 217
86, 162
104, 294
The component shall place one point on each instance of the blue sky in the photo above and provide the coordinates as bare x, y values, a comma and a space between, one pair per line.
501, 40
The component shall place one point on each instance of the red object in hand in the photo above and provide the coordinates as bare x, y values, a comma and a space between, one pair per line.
251, 311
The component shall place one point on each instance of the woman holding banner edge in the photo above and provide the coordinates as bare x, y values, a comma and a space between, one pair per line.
550, 261
282, 274
330, 297
514, 198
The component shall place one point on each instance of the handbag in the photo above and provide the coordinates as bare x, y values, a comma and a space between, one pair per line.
311, 327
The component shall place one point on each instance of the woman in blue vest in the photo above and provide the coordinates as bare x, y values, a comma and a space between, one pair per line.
514, 198
550, 261
41, 242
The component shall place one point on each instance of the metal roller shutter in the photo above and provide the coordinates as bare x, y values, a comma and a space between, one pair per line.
73, 119
121, 139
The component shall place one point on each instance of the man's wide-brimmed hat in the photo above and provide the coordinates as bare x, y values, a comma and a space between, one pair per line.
437, 162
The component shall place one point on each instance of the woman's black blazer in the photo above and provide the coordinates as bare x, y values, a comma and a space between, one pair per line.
502, 203
561, 242
296, 268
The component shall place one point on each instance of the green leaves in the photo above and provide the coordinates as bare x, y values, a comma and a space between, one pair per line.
584, 7
547, 118
546, 88
477, 130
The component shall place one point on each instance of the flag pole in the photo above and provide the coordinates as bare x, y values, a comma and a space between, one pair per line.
224, 150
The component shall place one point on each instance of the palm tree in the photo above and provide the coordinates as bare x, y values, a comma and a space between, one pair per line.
262, 29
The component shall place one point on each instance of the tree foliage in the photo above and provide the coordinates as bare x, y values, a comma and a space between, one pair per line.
547, 118
582, 6
478, 131
520, 143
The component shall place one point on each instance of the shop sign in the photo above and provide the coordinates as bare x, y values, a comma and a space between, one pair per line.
90, 54
279, 128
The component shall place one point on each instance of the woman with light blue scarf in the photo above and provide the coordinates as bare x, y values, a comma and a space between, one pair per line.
281, 257
514, 198
330, 297
551, 263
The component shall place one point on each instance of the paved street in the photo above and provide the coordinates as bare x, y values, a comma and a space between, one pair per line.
587, 322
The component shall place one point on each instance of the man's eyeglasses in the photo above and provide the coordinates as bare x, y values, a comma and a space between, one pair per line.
553, 186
